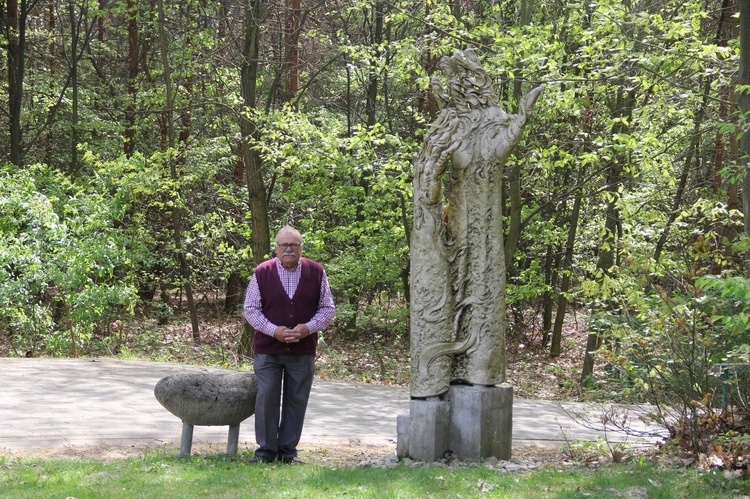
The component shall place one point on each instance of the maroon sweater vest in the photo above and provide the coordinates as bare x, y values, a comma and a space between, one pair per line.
284, 311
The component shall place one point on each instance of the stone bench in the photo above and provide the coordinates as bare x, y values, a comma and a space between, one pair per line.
208, 399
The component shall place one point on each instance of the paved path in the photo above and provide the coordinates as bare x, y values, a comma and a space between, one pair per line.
55, 403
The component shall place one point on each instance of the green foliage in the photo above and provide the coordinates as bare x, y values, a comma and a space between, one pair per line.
348, 196
63, 261
215, 228
728, 300
674, 350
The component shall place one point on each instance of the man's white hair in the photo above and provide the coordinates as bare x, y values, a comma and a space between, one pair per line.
288, 229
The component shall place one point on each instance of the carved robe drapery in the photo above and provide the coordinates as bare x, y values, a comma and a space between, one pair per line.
457, 254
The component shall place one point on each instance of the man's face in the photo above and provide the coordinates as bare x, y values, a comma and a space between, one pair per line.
288, 249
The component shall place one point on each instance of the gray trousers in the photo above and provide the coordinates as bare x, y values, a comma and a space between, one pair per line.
284, 384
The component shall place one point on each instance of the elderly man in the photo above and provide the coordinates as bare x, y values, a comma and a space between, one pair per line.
288, 301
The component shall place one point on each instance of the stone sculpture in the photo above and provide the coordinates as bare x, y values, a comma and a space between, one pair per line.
458, 271
457, 255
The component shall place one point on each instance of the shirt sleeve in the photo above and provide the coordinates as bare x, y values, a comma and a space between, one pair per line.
326, 308
252, 310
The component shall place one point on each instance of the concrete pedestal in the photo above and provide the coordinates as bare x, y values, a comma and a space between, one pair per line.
428, 429
481, 423
474, 422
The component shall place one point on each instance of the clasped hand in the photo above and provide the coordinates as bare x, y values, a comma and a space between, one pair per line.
286, 335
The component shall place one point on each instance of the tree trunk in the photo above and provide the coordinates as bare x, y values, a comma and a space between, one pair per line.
407, 230
177, 209
132, 16
260, 237
51, 27
623, 107
375, 47
548, 297
235, 289
100, 21
513, 183
593, 342
291, 58
686, 165
233, 297
291, 41
744, 104
16, 20
562, 300
186, 121
426, 102
74, 33
348, 97
514, 168
727, 30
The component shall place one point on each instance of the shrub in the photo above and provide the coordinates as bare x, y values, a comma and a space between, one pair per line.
674, 350
63, 263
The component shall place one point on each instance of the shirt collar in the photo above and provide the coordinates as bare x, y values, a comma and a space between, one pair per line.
281, 267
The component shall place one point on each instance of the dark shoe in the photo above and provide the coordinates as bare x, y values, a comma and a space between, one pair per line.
292, 460
257, 460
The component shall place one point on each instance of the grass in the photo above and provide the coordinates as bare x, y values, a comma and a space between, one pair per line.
164, 475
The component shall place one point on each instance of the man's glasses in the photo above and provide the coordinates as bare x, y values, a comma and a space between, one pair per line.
288, 245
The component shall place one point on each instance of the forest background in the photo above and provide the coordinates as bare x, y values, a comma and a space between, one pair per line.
151, 149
